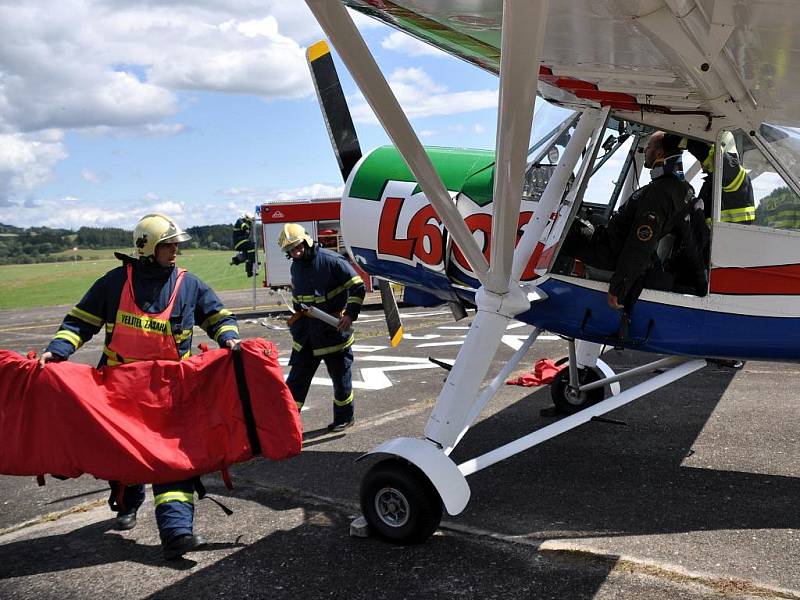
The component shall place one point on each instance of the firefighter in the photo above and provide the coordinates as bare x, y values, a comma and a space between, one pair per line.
627, 244
327, 281
242, 242
780, 209
148, 308
738, 205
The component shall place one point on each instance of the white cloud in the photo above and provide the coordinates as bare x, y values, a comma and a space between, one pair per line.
115, 67
405, 44
242, 57
114, 63
26, 161
90, 176
315, 190
421, 96
478, 128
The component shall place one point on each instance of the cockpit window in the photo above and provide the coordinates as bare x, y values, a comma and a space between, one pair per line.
776, 203
552, 129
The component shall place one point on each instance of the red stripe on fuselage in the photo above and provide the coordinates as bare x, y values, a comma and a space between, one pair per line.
757, 281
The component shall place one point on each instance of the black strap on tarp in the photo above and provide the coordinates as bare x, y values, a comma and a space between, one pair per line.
202, 493
244, 397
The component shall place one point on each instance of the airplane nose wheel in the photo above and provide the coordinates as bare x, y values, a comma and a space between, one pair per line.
569, 400
399, 502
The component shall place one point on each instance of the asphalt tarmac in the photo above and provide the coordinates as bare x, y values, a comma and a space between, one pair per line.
695, 495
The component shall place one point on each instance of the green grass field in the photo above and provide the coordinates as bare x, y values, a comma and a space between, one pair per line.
50, 284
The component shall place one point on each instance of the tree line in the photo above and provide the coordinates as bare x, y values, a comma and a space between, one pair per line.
20, 245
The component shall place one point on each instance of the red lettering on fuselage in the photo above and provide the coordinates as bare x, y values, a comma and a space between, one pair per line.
388, 243
482, 222
423, 239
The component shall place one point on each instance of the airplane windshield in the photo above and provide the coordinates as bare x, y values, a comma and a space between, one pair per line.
784, 143
552, 129
777, 205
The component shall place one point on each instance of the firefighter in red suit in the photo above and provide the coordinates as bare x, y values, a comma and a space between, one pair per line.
148, 308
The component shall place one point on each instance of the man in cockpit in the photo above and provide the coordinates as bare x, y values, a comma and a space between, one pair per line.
627, 244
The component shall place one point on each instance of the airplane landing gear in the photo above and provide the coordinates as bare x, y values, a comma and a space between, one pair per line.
569, 400
399, 502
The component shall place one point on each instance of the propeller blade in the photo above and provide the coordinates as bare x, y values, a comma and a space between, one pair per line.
390, 311
339, 27
335, 112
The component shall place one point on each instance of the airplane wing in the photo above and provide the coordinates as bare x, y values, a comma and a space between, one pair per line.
638, 55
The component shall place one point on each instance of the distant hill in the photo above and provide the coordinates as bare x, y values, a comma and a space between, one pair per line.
19, 245
10, 229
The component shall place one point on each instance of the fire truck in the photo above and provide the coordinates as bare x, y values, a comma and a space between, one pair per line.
319, 217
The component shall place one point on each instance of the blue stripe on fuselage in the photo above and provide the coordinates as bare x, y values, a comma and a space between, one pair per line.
417, 276
672, 329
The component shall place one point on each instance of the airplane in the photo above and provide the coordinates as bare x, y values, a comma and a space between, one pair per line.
486, 228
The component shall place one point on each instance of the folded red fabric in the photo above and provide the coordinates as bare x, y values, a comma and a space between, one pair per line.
143, 422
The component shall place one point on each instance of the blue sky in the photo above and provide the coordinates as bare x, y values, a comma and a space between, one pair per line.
110, 109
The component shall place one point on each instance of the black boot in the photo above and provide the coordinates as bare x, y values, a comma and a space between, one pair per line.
177, 547
336, 427
125, 520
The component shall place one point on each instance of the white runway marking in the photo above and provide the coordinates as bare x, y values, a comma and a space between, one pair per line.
433, 344
367, 348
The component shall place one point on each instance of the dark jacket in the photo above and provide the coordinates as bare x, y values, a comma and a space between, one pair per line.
196, 304
327, 281
240, 236
632, 234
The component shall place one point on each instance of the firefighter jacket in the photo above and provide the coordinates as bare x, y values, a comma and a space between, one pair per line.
738, 205
327, 281
780, 209
195, 304
240, 237
633, 233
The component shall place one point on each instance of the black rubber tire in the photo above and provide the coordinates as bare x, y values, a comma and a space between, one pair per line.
399, 502
568, 405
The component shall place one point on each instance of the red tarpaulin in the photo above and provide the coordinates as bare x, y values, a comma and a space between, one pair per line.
544, 372
144, 422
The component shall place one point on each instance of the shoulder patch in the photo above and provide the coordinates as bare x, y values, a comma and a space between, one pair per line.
644, 233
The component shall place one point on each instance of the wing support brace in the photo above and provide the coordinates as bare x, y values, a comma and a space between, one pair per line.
449, 479
571, 422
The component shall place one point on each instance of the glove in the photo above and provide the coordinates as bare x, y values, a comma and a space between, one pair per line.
295, 317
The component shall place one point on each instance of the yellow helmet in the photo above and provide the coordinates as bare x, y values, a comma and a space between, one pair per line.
155, 229
293, 234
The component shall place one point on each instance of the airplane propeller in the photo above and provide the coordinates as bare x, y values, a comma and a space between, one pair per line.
344, 140
498, 299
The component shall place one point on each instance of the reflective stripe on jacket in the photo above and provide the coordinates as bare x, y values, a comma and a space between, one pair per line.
327, 281
195, 304
138, 335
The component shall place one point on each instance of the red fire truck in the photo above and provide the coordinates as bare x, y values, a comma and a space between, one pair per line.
319, 216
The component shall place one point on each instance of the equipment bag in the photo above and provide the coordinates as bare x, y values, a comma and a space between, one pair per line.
145, 422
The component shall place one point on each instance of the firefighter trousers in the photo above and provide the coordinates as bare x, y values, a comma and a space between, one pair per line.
304, 365
174, 505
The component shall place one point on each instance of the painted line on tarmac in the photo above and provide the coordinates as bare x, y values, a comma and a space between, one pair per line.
24, 327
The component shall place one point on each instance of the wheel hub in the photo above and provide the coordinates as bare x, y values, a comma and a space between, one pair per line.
392, 507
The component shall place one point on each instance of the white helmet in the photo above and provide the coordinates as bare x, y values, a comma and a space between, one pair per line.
728, 142
155, 229
292, 235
